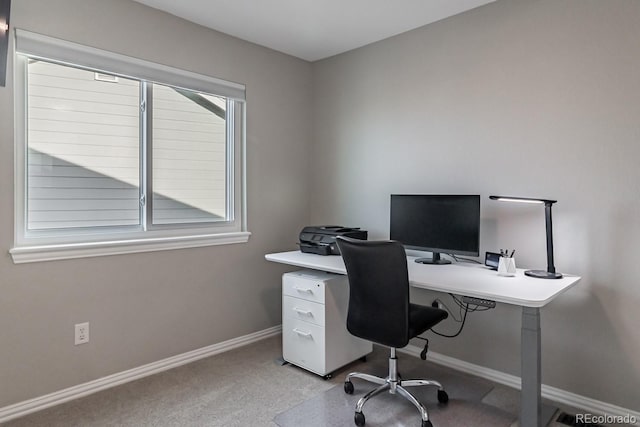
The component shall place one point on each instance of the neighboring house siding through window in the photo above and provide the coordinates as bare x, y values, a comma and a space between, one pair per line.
83, 149
83, 157
189, 154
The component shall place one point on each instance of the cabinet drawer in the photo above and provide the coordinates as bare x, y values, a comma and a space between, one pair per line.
303, 344
303, 287
298, 308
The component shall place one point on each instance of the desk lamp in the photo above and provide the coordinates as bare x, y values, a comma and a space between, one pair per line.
551, 269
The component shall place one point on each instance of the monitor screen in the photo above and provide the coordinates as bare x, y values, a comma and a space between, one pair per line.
437, 223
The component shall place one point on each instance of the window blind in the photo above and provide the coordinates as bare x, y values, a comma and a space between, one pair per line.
43, 47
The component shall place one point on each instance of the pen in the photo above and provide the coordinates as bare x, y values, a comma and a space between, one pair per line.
512, 252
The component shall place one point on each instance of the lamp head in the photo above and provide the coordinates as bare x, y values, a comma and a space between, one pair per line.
523, 200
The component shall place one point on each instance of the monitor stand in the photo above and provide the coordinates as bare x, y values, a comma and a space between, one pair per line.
435, 259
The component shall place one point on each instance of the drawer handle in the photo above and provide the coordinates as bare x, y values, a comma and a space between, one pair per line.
303, 312
302, 333
304, 290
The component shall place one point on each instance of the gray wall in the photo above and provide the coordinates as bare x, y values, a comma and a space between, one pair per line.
532, 98
146, 307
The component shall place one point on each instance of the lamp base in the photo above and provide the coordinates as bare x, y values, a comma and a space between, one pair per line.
542, 274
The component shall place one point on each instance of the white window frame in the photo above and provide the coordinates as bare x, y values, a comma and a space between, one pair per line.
32, 247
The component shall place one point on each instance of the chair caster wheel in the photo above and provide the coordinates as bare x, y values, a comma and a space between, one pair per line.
359, 419
426, 423
348, 387
443, 397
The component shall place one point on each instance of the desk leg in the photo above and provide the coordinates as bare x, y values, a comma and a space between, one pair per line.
531, 398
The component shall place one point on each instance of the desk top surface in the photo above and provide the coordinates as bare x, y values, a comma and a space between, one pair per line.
460, 279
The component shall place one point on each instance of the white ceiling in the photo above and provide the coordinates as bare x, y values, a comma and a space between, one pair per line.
313, 29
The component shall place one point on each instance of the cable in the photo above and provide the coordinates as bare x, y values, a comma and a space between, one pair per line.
462, 259
440, 302
464, 318
461, 306
423, 353
457, 300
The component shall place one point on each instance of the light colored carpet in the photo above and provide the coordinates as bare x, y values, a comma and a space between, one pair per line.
243, 387
473, 402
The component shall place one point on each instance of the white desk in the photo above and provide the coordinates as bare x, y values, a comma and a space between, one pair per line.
521, 290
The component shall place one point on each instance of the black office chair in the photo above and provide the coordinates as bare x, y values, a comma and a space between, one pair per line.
380, 311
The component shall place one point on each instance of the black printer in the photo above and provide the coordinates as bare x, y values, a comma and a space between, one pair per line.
321, 239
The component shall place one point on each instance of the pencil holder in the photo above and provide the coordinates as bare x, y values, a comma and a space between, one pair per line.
507, 266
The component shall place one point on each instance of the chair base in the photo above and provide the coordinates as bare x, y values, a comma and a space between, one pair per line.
395, 385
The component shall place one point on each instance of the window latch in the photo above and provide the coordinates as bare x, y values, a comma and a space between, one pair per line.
143, 106
143, 200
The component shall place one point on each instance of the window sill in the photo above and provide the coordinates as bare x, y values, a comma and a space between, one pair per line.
25, 254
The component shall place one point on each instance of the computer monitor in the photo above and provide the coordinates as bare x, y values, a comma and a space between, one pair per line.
436, 223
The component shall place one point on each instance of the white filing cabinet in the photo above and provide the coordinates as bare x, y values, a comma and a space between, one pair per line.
314, 322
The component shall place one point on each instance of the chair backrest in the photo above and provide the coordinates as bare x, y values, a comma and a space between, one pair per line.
378, 290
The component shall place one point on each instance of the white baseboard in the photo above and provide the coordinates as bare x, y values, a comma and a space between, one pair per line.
39, 403
564, 397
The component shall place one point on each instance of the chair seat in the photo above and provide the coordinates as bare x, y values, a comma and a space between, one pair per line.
422, 318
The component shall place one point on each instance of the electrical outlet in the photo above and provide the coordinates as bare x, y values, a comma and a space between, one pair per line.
82, 333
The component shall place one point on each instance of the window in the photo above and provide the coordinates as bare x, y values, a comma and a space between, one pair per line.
118, 155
